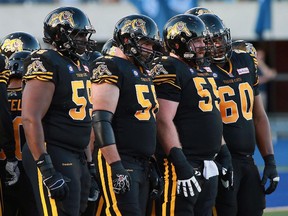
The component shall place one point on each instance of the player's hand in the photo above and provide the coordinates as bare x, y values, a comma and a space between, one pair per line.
270, 172
156, 180
187, 183
94, 188
224, 163
120, 177
13, 172
53, 180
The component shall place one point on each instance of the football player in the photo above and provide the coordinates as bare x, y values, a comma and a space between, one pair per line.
18, 198
189, 126
7, 142
56, 114
245, 123
124, 109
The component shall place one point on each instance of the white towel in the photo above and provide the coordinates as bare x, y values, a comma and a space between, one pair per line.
210, 169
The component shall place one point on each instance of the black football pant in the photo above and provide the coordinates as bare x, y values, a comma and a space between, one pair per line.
133, 202
172, 204
247, 198
71, 165
18, 198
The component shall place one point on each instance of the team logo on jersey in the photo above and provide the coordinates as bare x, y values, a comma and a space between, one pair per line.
135, 25
35, 66
215, 75
100, 71
63, 18
177, 29
243, 71
13, 45
157, 70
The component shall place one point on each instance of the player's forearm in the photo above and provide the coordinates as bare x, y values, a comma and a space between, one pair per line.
167, 135
110, 153
263, 135
34, 136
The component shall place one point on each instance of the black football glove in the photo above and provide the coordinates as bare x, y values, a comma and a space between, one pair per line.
13, 172
94, 188
53, 180
186, 179
156, 180
120, 177
270, 172
224, 163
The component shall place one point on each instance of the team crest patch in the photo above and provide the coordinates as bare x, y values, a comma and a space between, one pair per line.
70, 68
177, 29
64, 17
13, 45
157, 70
100, 71
136, 74
136, 24
243, 71
35, 66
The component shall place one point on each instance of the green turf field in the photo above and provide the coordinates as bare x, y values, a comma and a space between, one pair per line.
278, 213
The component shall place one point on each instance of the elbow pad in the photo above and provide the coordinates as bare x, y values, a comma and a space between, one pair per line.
102, 126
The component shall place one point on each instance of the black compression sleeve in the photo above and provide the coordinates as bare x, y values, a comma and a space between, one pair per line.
102, 125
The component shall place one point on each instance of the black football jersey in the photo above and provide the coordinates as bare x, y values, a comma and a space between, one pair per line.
134, 119
15, 106
67, 122
4, 71
238, 85
6, 128
198, 120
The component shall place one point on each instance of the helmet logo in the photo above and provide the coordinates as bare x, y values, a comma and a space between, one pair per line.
134, 25
203, 11
177, 29
35, 66
157, 70
63, 18
14, 45
100, 71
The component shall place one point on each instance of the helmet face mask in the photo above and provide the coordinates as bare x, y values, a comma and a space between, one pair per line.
220, 43
138, 37
185, 35
69, 29
16, 65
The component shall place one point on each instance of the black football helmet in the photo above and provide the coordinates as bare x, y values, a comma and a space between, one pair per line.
180, 34
63, 28
198, 11
16, 64
221, 42
18, 41
107, 46
245, 46
130, 30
